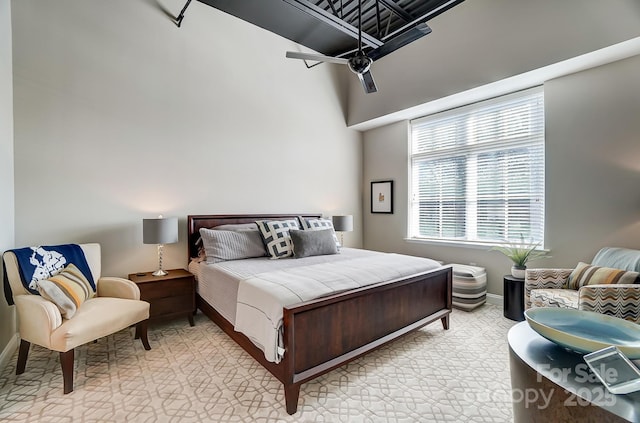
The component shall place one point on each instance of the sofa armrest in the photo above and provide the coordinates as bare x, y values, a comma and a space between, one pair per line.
37, 318
118, 288
619, 300
544, 279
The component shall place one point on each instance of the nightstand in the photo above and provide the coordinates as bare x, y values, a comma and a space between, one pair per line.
171, 295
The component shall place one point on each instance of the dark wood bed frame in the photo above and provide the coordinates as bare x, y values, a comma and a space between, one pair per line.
323, 334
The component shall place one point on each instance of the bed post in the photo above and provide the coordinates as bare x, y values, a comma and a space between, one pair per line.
445, 322
291, 394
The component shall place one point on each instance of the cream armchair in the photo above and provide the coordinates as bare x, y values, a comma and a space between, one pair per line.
116, 306
549, 287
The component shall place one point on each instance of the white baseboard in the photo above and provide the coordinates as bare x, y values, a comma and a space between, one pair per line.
495, 299
7, 353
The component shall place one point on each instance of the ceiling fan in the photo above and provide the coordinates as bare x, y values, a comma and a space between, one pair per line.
358, 64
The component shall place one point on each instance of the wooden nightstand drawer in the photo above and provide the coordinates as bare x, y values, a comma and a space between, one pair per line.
164, 289
170, 306
170, 295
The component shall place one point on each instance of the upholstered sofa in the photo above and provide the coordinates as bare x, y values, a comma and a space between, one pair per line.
608, 285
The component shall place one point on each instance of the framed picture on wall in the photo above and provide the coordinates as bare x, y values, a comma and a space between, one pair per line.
382, 197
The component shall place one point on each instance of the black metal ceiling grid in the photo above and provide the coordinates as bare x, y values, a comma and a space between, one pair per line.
330, 27
381, 17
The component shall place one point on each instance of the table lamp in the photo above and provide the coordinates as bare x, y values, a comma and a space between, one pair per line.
160, 231
342, 224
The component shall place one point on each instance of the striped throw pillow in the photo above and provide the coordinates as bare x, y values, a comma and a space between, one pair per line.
230, 245
587, 274
67, 290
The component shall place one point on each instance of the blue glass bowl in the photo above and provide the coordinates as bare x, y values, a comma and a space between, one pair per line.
585, 331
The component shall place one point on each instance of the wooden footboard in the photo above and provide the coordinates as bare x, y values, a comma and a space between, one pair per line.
325, 333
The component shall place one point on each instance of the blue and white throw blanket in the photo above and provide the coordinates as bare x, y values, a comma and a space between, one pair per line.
42, 262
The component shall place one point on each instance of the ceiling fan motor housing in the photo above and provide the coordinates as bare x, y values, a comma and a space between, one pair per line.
359, 63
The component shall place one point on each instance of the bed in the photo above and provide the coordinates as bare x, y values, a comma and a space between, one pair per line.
347, 324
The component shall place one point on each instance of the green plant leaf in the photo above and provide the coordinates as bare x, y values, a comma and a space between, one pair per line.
521, 253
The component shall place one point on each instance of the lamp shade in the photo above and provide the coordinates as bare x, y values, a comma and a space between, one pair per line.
160, 230
343, 223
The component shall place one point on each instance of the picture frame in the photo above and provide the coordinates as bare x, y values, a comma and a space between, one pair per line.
382, 197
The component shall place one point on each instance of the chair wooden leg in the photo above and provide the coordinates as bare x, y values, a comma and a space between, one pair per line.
141, 331
23, 353
66, 361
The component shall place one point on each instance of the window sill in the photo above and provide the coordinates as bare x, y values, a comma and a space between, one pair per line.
444, 243
457, 244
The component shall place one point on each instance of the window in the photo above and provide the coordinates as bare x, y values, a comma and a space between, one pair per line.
478, 172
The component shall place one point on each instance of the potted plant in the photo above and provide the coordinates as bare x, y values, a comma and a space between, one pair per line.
520, 254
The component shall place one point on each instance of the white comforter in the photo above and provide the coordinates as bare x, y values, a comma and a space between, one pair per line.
261, 298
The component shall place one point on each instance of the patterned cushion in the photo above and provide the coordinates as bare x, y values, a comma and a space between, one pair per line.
587, 274
615, 300
67, 290
275, 234
565, 298
544, 279
231, 245
469, 286
315, 224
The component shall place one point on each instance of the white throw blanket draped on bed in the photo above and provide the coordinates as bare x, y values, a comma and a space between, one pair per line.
261, 298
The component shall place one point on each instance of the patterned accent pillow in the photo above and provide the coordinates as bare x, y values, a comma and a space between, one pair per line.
276, 237
67, 290
316, 224
231, 245
587, 274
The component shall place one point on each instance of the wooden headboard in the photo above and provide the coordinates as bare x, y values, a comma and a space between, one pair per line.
195, 222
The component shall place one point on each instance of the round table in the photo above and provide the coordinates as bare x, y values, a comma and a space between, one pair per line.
551, 383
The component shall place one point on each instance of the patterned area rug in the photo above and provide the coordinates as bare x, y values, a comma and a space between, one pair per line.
198, 374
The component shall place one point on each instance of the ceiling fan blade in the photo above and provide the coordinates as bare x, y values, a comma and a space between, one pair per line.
368, 83
316, 57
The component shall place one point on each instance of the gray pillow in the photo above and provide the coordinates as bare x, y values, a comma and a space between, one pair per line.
313, 243
231, 245
237, 227
315, 224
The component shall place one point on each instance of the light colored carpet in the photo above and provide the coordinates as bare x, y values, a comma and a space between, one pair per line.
198, 374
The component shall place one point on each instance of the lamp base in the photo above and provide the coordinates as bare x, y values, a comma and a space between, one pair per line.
160, 272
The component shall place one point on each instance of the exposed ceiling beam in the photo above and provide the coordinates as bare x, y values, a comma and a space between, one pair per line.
393, 6
334, 21
425, 17
333, 8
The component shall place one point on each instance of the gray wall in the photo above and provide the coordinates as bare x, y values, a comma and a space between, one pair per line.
592, 174
482, 41
121, 115
7, 314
